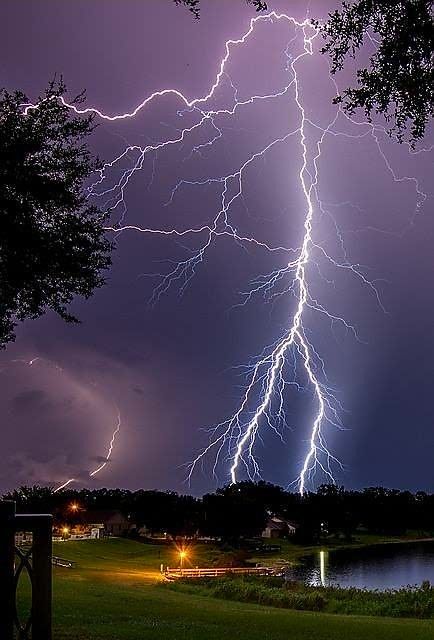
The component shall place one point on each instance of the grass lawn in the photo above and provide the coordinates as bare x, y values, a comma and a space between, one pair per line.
113, 593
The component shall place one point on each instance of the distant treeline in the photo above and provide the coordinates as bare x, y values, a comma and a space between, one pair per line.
242, 510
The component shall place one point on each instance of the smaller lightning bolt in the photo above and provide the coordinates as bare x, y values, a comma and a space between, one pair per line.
110, 448
103, 464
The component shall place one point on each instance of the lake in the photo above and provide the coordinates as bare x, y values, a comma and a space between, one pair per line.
378, 567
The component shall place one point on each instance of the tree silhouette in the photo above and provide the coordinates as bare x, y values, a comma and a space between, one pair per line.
240, 511
399, 82
194, 5
52, 244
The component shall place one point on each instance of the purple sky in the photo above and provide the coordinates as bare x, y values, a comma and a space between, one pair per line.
169, 368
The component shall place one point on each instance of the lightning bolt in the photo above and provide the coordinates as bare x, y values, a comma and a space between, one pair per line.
281, 365
110, 448
273, 381
103, 464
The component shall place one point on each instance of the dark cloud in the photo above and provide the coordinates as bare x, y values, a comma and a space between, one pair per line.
25, 469
99, 459
139, 391
31, 400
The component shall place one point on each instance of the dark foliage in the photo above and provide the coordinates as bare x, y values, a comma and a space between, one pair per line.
408, 602
399, 82
239, 512
234, 512
52, 244
194, 5
168, 512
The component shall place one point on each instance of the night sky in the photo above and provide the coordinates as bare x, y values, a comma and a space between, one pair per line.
172, 368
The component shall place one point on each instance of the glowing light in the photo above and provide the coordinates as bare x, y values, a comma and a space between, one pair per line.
322, 567
182, 556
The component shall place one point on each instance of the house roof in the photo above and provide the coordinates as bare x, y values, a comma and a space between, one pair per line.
276, 525
279, 524
102, 516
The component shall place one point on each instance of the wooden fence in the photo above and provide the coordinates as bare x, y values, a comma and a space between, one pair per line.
214, 572
62, 562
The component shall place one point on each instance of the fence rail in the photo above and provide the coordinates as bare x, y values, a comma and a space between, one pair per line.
214, 572
62, 562
35, 559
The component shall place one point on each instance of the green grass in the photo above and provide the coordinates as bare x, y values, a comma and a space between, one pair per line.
114, 593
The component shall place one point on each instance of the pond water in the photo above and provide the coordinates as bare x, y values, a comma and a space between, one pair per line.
379, 567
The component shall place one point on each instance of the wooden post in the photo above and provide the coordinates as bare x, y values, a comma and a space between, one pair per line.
7, 553
42, 587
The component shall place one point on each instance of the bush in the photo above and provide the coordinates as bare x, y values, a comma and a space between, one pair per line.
409, 602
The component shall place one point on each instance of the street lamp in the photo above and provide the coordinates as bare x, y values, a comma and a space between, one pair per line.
182, 556
65, 532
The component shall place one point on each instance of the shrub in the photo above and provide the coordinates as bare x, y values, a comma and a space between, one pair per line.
411, 602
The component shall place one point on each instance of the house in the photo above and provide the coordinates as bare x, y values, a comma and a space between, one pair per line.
111, 522
278, 528
95, 524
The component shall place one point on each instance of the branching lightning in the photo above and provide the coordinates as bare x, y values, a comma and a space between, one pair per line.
281, 365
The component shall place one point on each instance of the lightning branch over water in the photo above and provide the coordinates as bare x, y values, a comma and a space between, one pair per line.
282, 365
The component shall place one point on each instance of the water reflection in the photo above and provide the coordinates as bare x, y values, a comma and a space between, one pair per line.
314, 571
381, 567
323, 555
